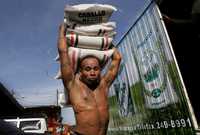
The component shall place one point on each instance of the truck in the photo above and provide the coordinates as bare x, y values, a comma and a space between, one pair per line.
30, 125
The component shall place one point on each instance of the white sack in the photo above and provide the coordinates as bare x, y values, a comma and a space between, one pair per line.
75, 54
88, 13
89, 42
103, 29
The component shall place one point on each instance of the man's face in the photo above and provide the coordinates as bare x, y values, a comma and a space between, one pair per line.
90, 71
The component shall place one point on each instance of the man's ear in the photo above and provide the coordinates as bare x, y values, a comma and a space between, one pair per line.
80, 75
79, 72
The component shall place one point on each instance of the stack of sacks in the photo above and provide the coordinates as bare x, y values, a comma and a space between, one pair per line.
89, 32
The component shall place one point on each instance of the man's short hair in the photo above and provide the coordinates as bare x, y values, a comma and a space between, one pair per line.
88, 56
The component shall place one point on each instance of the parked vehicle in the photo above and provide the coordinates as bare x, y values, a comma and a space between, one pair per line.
29, 125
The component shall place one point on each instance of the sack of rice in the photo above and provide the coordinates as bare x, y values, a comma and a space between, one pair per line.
76, 54
102, 29
88, 13
89, 42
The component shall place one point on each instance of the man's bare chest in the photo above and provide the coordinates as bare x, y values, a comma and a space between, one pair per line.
83, 95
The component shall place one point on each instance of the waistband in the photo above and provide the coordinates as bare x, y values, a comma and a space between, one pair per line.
74, 133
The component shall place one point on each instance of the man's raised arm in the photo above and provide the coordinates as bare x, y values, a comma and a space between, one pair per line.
65, 65
113, 69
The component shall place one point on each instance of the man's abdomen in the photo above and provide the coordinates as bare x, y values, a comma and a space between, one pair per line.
88, 122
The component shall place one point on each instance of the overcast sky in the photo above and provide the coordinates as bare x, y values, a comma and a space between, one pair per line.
28, 36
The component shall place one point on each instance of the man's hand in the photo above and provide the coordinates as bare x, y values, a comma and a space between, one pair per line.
65, 65
113, 69
62, 46
116, 55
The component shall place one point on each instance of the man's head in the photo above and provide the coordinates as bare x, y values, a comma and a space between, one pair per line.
90, 71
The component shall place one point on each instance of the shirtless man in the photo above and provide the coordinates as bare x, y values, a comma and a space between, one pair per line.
88, 90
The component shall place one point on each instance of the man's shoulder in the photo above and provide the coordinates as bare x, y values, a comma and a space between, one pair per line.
103, 80
76, 81
103, 83
72, 83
